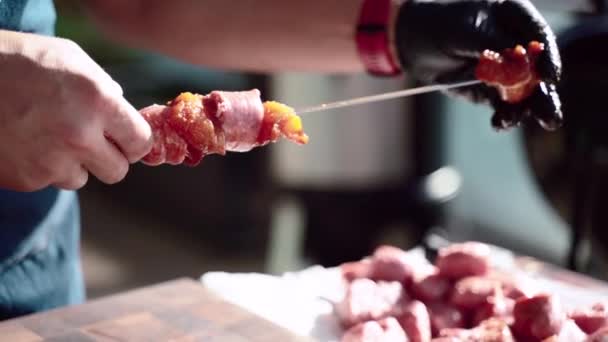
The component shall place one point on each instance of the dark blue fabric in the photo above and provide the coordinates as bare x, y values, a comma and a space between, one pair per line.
44, 271
39, 232
21, 215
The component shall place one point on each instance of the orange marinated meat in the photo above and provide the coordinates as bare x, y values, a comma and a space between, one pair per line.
512, 71
192, 126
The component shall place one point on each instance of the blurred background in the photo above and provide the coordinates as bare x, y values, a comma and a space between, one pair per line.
393, 172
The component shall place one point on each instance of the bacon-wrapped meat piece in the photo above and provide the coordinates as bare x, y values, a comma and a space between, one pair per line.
192, 126
512, 71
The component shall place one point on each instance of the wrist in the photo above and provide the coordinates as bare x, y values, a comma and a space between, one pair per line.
375, 37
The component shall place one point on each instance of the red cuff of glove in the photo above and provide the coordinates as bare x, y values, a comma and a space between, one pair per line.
372, 37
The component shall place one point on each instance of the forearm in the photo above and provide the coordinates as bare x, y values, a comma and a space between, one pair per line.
254, 35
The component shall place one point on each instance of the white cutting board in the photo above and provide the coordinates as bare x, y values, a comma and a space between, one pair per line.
295, 299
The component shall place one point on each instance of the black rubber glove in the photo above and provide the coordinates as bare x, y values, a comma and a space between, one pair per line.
440, 41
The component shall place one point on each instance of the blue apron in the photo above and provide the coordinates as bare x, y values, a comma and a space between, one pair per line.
39, 231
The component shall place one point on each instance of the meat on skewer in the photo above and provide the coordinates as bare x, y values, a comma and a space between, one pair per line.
192, 126
512, 72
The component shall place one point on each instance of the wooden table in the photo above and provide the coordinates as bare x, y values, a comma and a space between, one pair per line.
180, 310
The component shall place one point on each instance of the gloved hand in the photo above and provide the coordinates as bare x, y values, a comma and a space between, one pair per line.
440, 41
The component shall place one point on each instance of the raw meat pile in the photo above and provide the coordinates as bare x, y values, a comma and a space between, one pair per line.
389, 297
192, 126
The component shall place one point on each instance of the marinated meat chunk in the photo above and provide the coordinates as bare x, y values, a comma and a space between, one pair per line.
592, 319
192, 126
538, 317
367, 300
464, 260
385, 330
416, 322
512, 71
430, 287
445, 316
472, 292
391, 264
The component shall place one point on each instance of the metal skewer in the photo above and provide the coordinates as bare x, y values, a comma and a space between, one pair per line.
385, 96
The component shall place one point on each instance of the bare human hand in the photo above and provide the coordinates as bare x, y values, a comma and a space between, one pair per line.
62, 116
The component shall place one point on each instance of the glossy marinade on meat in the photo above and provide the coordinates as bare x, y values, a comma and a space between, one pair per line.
192, 126
512, 71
